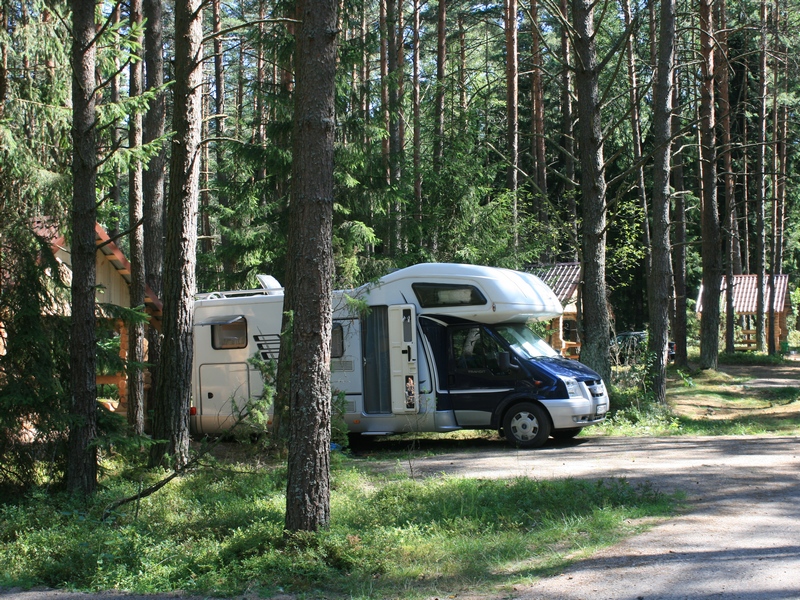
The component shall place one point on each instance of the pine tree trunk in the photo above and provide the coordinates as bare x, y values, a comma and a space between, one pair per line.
394, 73
743, 224
229, 263
136, 243
723, 85
636, 128
568, 136
384, 71
153, 178
259, 127
441, 67
171, 416
462, 71
594, 348
512, 94
308, 483
415, 107
660, 274
3, 64
512, 111
537, 116
81, 451
115, 193
761, 184
711, 245
679, 247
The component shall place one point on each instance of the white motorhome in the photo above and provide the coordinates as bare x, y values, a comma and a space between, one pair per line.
441, 347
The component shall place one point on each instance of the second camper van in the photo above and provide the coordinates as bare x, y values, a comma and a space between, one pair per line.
440, 347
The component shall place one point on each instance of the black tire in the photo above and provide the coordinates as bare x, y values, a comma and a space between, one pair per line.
360, 443
526, 425
565, 434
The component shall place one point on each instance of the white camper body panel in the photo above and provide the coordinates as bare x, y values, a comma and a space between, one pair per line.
228, 332
360, 368
511, 296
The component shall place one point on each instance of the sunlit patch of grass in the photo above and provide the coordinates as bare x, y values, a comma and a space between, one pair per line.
750, 358
222, 534
706, 402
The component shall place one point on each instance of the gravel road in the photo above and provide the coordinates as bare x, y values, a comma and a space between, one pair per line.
738, 539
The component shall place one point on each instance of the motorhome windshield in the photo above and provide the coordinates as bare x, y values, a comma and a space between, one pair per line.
524, 342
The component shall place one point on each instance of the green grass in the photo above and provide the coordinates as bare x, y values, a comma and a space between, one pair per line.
221, 533
750, 358
707, 403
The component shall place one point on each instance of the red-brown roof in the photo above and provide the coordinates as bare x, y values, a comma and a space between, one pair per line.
563, 279
745, 294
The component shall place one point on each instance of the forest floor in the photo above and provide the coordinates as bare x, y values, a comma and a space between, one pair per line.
734, 399
736, 537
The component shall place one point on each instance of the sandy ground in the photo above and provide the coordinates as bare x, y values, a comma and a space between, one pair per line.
739, 538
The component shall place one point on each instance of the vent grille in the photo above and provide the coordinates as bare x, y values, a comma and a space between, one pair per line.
268, 344
338, 364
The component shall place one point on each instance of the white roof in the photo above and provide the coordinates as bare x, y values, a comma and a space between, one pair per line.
509, 295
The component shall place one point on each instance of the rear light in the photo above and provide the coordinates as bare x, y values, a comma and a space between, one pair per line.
193, 411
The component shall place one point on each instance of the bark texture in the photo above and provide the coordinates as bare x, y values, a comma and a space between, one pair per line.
82, 454
711, 247
660, 275
310, 278
153, 124
594, 348
512, 110
761, 185
171, 417
136, 244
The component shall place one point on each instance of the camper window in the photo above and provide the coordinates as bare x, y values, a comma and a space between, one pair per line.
229, 336
434, 295
337, 341
475, 352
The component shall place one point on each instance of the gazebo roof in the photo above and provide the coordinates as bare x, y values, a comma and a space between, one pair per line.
745, 294
563, 279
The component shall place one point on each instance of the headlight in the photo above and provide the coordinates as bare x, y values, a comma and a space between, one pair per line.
573, 389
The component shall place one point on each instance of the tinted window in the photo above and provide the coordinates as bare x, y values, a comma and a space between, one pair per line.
432, 295
337, 341
229, 336
474, 351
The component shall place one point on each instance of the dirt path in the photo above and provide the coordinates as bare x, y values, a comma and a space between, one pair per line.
739, 539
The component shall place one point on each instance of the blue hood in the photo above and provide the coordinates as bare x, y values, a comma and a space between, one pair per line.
557, 366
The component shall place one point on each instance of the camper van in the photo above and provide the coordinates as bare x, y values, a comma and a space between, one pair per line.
432, 347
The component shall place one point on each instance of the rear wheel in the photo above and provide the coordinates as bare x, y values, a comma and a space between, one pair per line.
526, 425
566, 434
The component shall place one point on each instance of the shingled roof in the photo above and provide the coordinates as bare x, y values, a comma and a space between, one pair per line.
745, 294
563, 279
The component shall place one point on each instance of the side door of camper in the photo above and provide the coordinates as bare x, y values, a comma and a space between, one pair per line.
391, 368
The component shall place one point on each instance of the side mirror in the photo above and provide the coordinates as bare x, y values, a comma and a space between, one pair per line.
504, 360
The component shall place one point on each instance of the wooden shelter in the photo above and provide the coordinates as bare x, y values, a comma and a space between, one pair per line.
113, 281
564, 279
745, 302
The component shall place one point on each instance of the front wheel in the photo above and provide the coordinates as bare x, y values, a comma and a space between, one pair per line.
526, 425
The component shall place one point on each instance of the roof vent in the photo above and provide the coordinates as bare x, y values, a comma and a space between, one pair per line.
268, 282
